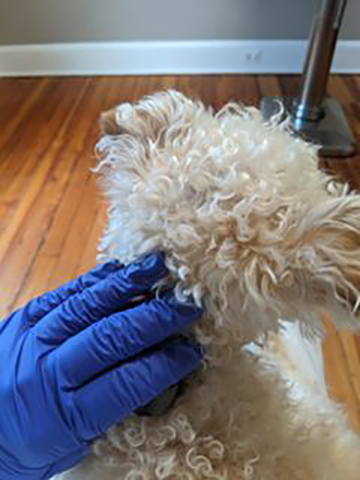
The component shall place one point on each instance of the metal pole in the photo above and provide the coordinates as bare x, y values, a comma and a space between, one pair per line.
314, 116
320, 54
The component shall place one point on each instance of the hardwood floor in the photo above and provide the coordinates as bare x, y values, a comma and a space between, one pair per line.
51, 214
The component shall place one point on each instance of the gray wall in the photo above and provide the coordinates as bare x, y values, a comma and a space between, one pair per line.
46, 21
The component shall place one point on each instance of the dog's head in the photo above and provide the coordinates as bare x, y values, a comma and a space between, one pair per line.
249, 224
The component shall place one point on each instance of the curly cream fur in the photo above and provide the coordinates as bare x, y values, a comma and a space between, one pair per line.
256, 232
240, 424
240, 208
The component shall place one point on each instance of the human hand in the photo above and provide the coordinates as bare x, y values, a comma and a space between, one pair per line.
76, 360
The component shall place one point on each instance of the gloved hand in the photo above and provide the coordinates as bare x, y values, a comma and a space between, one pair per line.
76, 360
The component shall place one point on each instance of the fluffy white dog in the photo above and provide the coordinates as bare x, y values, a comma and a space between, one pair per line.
254, 230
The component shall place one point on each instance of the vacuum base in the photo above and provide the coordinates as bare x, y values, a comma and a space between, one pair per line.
332, 132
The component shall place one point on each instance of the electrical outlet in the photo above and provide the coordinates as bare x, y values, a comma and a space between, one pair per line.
254, 56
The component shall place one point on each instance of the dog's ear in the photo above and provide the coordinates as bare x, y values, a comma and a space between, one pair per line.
108, 125
348, 255
148, 118
330, 250
312, 267
120, 120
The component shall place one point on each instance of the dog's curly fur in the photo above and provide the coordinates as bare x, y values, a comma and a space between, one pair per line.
256, 232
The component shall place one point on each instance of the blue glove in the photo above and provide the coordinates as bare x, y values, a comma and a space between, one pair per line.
66, 376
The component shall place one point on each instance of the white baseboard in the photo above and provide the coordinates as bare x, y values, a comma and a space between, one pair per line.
176, 57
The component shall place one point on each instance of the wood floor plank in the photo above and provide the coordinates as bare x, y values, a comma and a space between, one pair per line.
42, 126
290, 84
32, 129
88, 257
269, 85
80, 187
337, 88
49, 250
13, 96
41, 170
27, 227
353, 84
351, 353
69, 260
14, 121
337, 375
